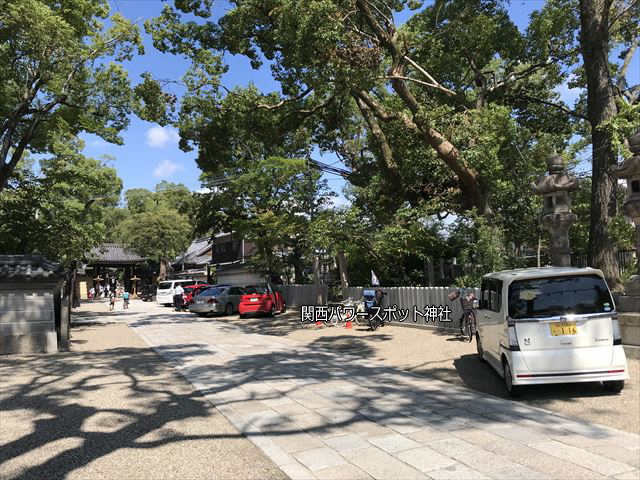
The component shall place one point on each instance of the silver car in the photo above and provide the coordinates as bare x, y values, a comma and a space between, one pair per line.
219, 299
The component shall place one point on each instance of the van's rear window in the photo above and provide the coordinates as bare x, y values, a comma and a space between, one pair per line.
554, 296
164, 285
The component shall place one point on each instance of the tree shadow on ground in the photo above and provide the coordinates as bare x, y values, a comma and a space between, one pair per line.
349, 344
343, 389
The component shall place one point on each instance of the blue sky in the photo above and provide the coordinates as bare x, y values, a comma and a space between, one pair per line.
150, 152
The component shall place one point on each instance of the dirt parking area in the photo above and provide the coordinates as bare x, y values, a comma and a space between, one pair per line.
112, 408
446, 357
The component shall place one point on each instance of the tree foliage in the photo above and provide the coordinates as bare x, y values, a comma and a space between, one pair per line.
156, 224
59, 211
423, 121
62, 74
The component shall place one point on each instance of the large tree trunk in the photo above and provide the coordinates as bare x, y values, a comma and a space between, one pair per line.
601, 107
164, 270
342, 265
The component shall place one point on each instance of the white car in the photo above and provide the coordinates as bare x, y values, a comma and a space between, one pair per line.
550, 325
166, 289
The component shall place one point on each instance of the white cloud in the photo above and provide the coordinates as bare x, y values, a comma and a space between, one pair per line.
203, 190
98, 143
567, 94
160, 137
166, 168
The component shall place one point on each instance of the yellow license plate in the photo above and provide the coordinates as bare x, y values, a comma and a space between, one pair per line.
564, 328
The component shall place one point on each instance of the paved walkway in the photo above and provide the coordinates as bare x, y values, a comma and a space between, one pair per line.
319, 414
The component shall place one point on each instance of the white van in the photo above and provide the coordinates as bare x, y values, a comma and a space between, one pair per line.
550, 325
166, 289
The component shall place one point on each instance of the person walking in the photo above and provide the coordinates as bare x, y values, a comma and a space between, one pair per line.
177, 297
125, 300
112, 300
92, 292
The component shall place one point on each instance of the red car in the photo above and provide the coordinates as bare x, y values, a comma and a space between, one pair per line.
191, 291
264, 298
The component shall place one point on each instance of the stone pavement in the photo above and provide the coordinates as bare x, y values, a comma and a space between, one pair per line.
319, 414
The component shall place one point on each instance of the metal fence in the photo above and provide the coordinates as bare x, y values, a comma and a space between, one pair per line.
297, 295
417, 298
625, 259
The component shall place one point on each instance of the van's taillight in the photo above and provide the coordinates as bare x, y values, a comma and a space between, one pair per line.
513, 338
211, 301
617, 337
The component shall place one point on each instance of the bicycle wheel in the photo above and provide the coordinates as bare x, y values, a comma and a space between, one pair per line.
373, 323
470, 326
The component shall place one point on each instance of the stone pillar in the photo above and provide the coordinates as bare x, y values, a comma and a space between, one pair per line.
629, 303
556, 214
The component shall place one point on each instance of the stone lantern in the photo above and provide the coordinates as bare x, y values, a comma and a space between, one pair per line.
629, 170
556, 214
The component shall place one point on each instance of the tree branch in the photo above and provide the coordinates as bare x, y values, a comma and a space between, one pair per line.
562, 108
622, 76
286, 100
420, 82
621, 14
386, 154
433, 81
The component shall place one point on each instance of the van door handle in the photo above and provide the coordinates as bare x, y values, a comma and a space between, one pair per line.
565, 342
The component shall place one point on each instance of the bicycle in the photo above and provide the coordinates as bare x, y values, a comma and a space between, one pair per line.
469, 324
469, 321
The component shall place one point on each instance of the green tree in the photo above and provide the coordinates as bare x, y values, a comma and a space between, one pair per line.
591, 31
56, 80
59, 212
138, 200
159, 233
271, 202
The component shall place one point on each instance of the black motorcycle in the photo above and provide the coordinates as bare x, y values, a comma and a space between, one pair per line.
373, 302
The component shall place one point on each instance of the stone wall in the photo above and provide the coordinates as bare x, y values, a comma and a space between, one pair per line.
27, 317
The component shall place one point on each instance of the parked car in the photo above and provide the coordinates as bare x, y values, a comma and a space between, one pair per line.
166, 289
550, 325
264, 298
191, 291
217, 299
148, 293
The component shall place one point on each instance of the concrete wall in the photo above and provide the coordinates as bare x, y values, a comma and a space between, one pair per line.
238, 277
630, 327
297, 295
27, 318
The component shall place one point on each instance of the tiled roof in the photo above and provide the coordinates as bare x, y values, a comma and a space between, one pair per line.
28, 267
196, 252
200, 259
114, 253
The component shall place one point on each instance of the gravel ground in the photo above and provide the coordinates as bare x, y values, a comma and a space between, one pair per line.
446, 357
112, 408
